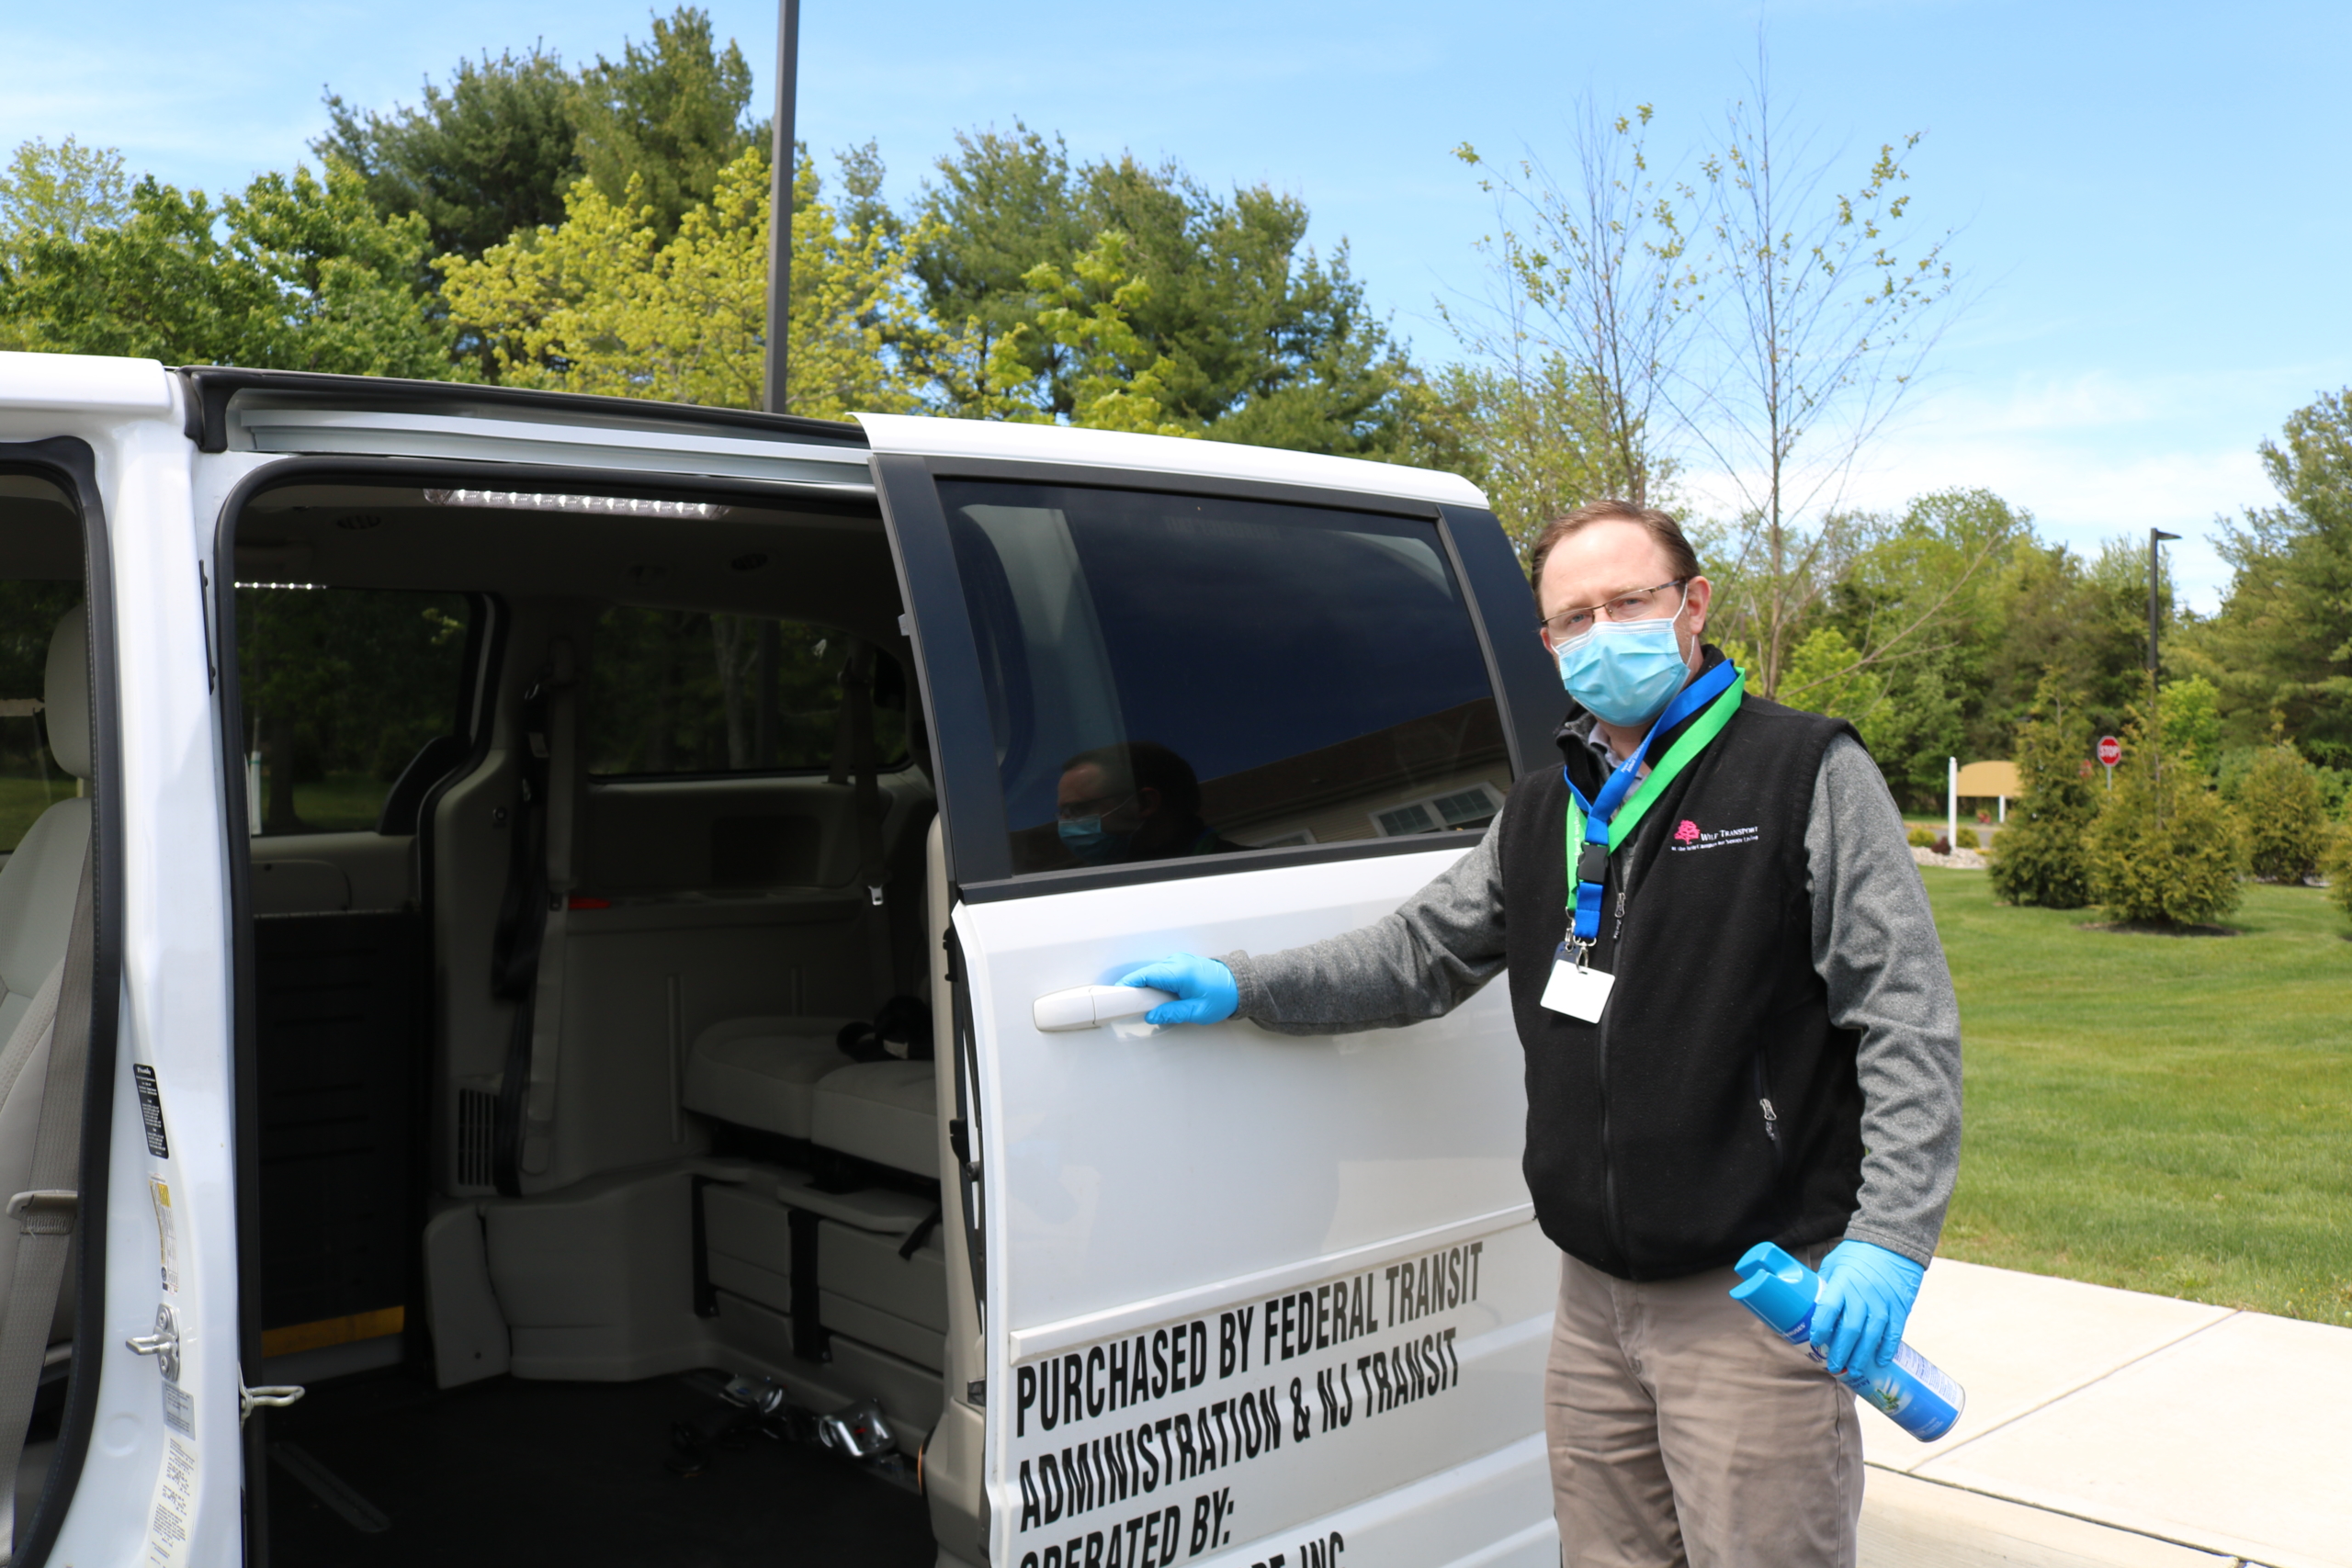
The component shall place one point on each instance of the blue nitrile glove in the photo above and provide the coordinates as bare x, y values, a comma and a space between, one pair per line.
1865, 1300
1204, 989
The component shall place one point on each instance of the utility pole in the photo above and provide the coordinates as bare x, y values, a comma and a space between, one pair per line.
2155, 698
780, 170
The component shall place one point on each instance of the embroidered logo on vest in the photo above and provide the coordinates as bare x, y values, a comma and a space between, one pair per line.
1689, 836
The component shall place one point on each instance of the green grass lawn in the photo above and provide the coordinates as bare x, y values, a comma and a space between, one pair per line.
2170, 1114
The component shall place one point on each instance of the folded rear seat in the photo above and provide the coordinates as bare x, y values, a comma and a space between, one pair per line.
762, 1072
883, 1111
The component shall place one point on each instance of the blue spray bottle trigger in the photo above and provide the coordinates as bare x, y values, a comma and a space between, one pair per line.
1911, 1390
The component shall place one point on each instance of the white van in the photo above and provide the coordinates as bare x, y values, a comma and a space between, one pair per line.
556, 1049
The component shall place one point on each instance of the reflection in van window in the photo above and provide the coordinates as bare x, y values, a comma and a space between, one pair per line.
1179, 675
30, 781
344, 688
688, 692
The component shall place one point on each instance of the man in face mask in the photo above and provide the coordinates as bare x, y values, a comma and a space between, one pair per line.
1738, 1028
1133, 800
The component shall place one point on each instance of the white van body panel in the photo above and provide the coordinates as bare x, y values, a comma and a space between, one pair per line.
1141, 1179
1136, 1180
1174, 455
149, 1493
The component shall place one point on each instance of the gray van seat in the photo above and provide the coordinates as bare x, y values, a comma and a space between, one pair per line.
37, 887
884, 1111
760, 1072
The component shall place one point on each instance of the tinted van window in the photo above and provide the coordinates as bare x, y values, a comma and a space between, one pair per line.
1177, 675
344, 690
690, 691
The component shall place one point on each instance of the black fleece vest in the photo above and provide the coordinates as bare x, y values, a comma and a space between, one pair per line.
1649, 1151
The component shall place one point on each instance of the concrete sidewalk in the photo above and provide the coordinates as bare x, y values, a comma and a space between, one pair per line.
2105, 1426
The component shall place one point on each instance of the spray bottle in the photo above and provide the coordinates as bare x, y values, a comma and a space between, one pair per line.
1911, 1389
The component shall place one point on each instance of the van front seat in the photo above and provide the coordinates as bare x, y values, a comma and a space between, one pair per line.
37, 888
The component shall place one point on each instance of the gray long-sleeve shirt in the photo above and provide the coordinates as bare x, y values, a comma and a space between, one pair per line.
1874, 945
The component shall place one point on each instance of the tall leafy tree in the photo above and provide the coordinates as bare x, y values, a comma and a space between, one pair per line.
604, 303
296, 273
669, 115
2279, 650
1255, 337
491, 153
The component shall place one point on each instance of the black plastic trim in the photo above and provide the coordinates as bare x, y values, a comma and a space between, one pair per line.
955, 705
72, 465
1087, 476
459, 472
1037, 884
1504, 606
211, 388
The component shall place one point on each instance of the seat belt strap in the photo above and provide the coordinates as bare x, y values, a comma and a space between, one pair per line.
560, 745
45, 1215
854, 759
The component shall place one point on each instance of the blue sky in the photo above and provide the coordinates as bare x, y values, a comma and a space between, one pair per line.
2148, 196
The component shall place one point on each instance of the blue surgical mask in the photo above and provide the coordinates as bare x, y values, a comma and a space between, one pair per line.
1626, 672
1086, 838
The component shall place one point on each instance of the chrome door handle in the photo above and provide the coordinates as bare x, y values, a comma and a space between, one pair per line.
1083, 1006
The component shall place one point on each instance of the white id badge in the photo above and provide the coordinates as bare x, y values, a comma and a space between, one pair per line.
1580, 993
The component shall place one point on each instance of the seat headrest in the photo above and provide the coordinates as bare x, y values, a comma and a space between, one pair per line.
66, 697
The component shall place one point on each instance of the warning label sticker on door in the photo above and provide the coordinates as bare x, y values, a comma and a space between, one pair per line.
167, 1522
166, 1236
150, 1111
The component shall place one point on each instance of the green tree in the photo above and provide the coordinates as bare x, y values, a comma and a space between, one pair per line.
1086, 321
603, 303
2286, 826
2164, 849
1594, 302
491, 153
297, 272
1537, 430
668, 115
2192, 724
1819, 315
1251, 335
2041, 855
2336, 864
66, 192
2279, 649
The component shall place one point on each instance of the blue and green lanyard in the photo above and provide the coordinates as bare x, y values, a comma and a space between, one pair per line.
1600, 823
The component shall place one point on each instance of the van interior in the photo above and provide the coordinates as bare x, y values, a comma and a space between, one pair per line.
45, 768
596, 902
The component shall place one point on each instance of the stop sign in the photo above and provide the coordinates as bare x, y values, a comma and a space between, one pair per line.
2111, 751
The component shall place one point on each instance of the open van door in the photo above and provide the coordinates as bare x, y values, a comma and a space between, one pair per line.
1241, 1297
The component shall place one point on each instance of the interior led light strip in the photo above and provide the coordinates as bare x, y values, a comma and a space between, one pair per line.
606, 505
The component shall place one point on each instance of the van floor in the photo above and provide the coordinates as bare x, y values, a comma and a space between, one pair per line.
504, 1472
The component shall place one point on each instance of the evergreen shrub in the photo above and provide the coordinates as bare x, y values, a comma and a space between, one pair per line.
2040, 856
2166, 849
2286, 821
1921, 838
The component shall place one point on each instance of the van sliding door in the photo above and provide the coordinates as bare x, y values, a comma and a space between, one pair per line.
1238, 1287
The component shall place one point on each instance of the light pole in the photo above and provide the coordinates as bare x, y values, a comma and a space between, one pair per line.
780, 172
2155, 697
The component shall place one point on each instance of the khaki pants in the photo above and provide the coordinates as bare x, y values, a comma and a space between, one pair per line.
1684, 1432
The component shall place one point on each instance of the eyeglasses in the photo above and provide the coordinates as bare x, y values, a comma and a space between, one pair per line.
1641, 604
1097, 805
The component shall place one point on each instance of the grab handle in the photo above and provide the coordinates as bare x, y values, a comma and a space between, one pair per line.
1084, 1007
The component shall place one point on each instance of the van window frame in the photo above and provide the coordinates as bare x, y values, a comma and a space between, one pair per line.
971, 792
70, 464
220, 612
